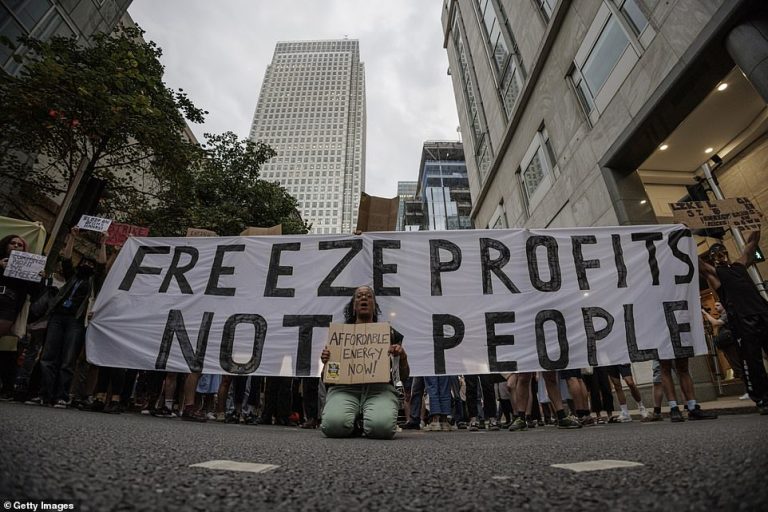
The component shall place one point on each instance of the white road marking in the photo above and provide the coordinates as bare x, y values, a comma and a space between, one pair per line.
230, 465
597, 465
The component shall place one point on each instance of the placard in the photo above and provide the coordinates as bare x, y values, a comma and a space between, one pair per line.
377, 213
25, 265
738, 212
359, 353
118, 233
94, 223
270, 231
193, 232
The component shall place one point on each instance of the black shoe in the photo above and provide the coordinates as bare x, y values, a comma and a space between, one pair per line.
112, 408
473, 426
412, 426
231, 417
95, 406
252, 419
192, 414
698, 414
493, 424
675, 416
162, 412
462, 425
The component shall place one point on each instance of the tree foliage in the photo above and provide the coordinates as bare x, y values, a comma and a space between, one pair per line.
103, 106
224, 193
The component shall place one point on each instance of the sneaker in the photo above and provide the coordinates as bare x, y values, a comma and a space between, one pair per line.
462, 425
112, 408
624, 418
745, 396
474, 426
675, 416
411, 426
568, 422
655, 416
531, 423
61, 404
588, 421
446, 426
433, 426
493, 425
38, 400
162, 412
643, 412
250, 419
309, 424
211, 416
231, 417
698, 414
518, 425
192, 414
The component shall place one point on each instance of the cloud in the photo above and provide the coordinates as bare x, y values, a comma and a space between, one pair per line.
218, 54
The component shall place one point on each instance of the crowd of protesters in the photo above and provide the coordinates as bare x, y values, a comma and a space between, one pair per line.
50, 368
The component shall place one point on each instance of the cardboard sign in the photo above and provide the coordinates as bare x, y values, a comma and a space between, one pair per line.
359, 354
25, 265
273, 231
94, 223
738, 212
377, 213
200, 232
118, 233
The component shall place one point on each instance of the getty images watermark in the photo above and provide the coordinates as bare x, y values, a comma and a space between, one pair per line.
38, 505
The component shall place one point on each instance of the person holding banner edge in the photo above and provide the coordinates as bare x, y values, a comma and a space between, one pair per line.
375, 404
748, 312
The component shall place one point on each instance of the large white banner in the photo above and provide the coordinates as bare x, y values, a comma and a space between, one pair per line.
466, 302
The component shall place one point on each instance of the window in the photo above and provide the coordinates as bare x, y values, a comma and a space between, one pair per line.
499, 217
505, 63
546, 7
478, 134
537, 169
609, 51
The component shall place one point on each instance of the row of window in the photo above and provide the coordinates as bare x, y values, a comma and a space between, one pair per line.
611, 47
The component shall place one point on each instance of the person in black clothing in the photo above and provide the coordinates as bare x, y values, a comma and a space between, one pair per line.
13, 291
747, 311
66, 323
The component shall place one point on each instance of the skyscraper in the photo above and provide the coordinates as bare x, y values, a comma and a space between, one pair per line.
311, 110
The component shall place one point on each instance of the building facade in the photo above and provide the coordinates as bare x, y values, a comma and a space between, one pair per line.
43, 19
443, 187
601, 112
406, 191
311, 110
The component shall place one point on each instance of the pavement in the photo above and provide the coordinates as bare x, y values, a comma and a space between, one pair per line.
722, 406
132, 462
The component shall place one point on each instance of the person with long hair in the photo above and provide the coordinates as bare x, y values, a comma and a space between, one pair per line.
364, 409
13, 291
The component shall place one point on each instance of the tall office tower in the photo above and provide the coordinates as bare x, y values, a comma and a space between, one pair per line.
311, 110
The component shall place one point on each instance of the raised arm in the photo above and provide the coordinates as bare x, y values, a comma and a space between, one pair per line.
709, 273
748, 255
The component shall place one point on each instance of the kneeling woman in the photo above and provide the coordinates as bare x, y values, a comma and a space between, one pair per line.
376, 405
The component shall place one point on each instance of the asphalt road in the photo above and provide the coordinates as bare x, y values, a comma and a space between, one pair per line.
129, 462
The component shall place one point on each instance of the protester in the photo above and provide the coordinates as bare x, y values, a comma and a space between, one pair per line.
13, 291
522, 391
747, 310
686, 386
439, 391
66, 323
726, 342
366, 409
616, 373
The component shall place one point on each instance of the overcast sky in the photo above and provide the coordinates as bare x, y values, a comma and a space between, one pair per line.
218, 53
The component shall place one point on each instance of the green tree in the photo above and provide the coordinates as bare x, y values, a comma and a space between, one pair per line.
224, 194
96, 110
